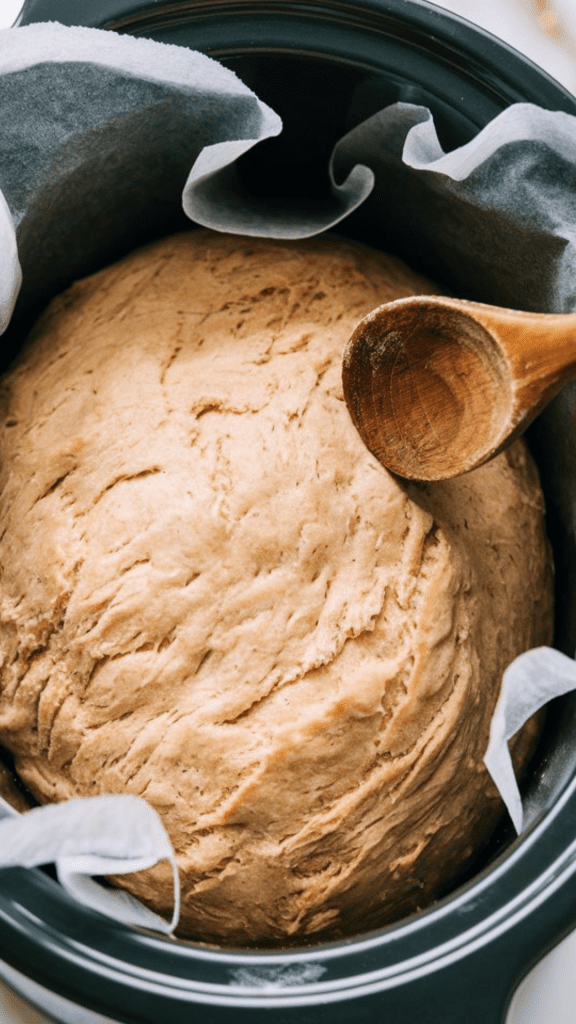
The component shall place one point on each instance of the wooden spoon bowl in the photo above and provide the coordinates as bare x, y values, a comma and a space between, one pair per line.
437, 386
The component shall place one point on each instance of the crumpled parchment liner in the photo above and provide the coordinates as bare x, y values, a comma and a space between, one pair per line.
106, 138
104, 835
100, 132
526, 687
495, 220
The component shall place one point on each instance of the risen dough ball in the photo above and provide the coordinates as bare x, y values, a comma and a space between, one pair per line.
214, 597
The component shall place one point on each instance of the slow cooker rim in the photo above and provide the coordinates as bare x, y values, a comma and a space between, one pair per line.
556, 868
482, 49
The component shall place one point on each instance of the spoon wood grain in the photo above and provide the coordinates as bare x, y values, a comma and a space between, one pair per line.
438, 386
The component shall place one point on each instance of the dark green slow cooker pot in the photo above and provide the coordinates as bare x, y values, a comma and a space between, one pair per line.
462, 959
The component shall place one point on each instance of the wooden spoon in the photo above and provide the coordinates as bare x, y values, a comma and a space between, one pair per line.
437, 386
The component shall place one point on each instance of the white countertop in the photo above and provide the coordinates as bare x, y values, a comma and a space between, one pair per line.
544, 30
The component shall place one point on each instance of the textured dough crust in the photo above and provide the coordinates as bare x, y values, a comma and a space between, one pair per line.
214, 597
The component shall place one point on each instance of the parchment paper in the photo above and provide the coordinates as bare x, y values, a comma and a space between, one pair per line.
105, 138
105, 835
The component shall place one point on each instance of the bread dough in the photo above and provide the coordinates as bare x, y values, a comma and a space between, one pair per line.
214, 597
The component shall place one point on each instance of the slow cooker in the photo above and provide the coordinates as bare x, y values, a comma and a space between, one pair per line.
463, 958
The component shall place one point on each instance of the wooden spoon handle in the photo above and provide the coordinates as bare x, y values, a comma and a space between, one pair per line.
540, 348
